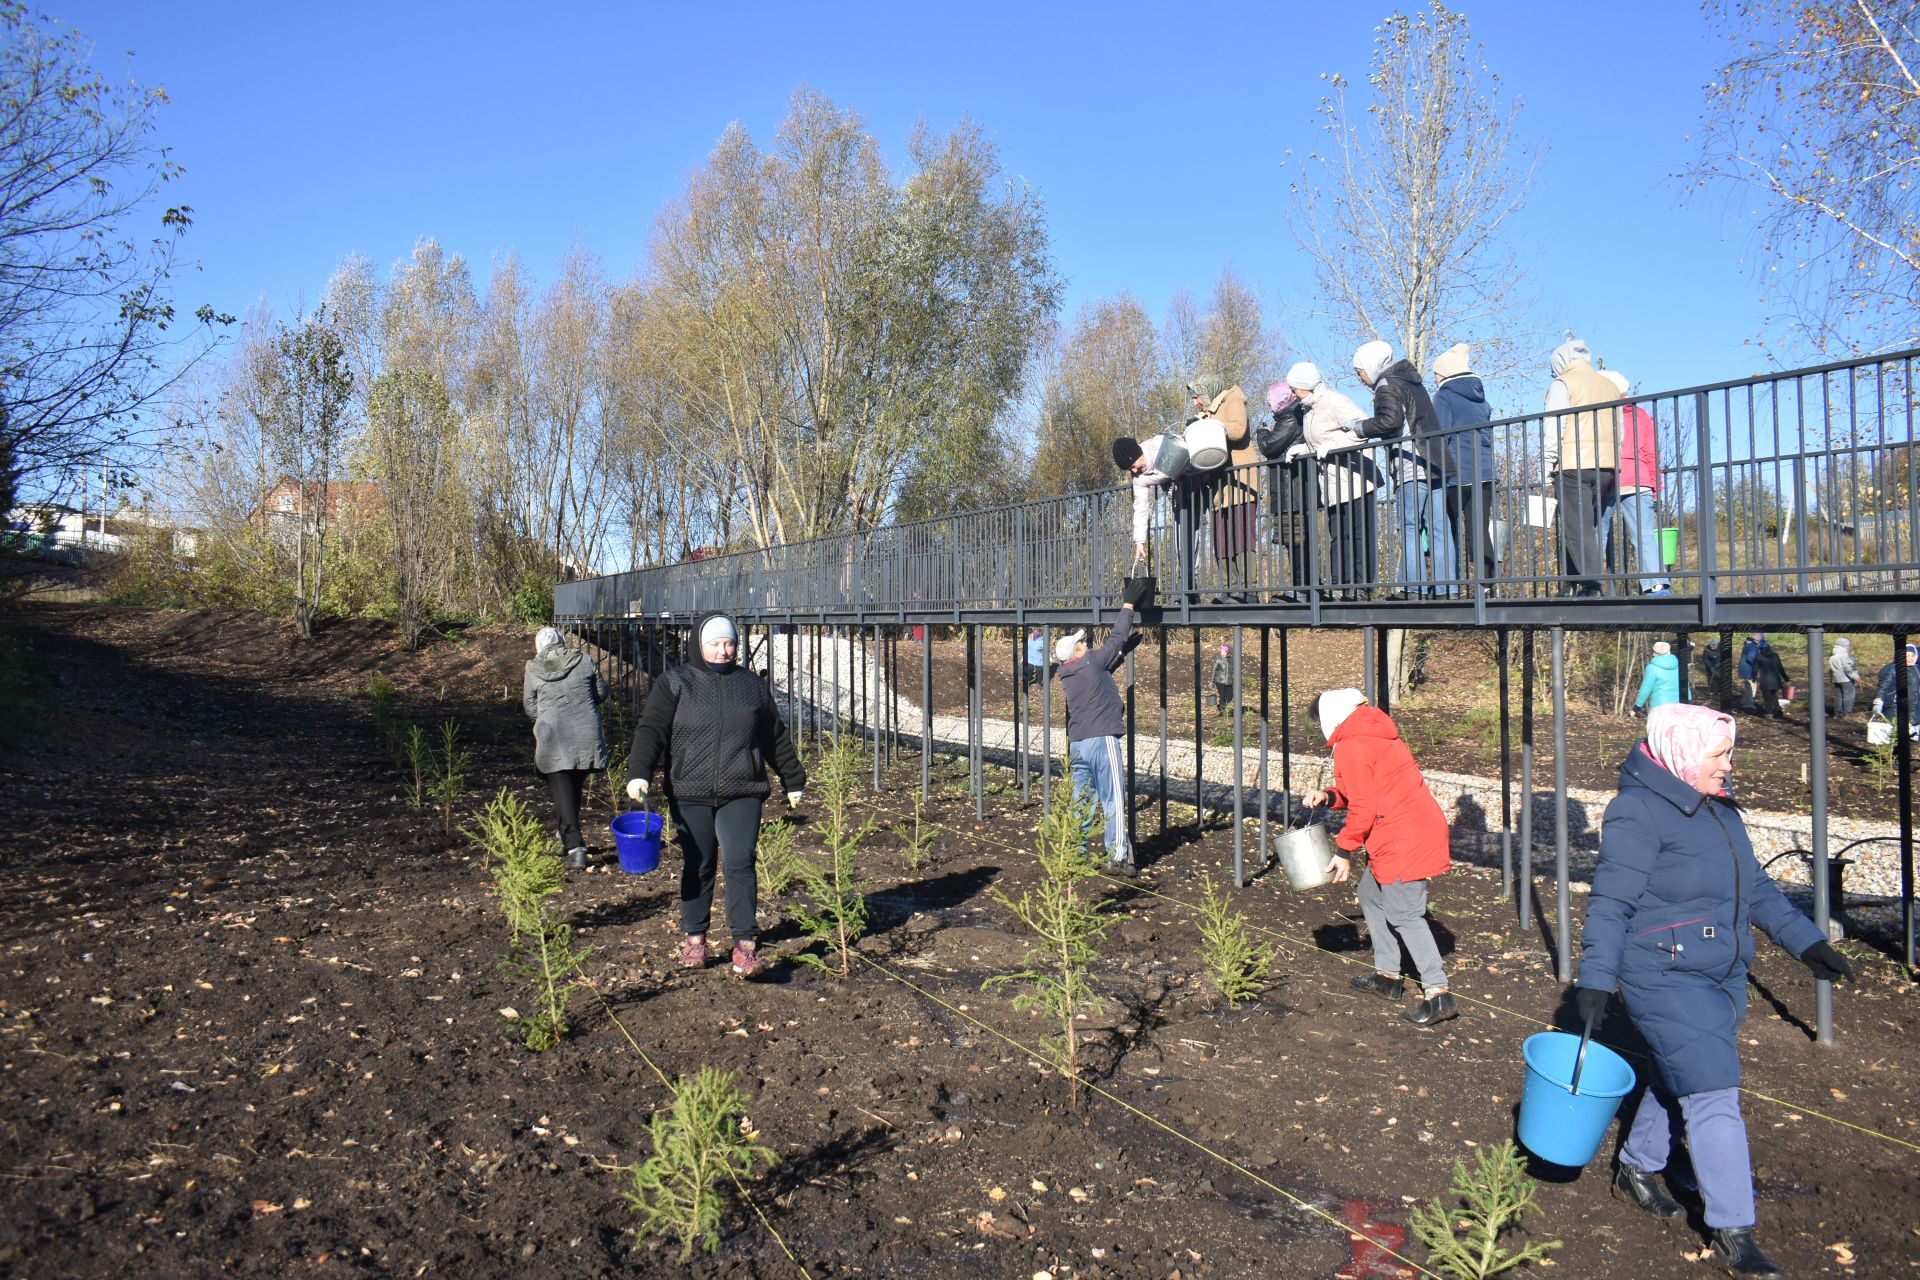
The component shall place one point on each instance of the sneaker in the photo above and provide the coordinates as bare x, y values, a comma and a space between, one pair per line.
747, 962
1741, 1256
577, 859
1379, 984
694, 952
1644, 1189
1122, 867
1431, 1010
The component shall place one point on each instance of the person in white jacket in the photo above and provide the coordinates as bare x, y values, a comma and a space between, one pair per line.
1348, 478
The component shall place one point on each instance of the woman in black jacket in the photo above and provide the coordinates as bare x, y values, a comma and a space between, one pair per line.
1293, 501
716, 724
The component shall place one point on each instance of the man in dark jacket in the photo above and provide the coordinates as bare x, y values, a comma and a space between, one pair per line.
1887, 691
1466, 444
1403, 412
1096, 717
1769, 679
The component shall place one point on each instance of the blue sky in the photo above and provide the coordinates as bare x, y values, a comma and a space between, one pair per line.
310, 132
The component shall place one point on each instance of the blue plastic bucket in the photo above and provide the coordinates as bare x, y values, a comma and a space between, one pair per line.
637, 837
1557, 1124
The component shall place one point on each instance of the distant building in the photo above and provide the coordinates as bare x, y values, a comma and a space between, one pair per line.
292, 506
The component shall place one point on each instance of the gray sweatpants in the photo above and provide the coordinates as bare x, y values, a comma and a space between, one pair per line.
1400, 909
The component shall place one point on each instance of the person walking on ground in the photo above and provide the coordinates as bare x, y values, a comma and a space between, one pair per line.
1348, 478
1769, 679
1036, 659
717, 727
1395, 818
1886, 691
1846, 677
1582, 449
1222, 679
1748, 652
1096, 718
1403, 414
1660, 686
1676, 896
1460, 407
1637, 492
561, 693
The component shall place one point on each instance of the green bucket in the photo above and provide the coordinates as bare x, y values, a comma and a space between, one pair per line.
1669, 547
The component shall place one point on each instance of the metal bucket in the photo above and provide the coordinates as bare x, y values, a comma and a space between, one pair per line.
1304, 854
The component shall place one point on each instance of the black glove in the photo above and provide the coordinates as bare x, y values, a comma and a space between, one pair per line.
1138, 591
1826, 964
1591, 1003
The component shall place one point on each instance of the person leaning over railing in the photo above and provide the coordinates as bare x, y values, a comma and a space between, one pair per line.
1676, 896
717, 727
1348, 478
1637, 492
1403, 414
1287, 477
1582, 453
1140, 459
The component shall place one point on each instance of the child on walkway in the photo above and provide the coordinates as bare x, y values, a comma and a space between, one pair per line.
1391, 813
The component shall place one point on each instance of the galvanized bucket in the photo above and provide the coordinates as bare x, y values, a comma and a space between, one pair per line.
1304, 853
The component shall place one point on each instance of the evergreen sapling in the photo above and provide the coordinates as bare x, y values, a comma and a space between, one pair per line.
1235, 964
1497, 1193
700, 1144
526, 877
833, 903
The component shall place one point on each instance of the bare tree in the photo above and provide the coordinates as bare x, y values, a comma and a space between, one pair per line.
86, 324
1817, 110
313, 386
410, 434
1404, 211
1109, 379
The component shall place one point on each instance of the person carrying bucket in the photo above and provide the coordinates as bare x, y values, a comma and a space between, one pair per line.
1392, 814
1675, 895
718, 727
561, 693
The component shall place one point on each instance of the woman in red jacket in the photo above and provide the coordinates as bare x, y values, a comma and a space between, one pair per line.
1392, 814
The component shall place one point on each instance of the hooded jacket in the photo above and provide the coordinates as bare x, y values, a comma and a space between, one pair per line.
1845, 670
1403, 412
1887, 688
1675, 895
1350, 474
1094, 708
1580, 441
1389, 809
1235, 486
1661, 684
561, 693
716, 731
1460, 402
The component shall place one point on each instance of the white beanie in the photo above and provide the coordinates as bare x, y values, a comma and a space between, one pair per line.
1335, 706
1373, 357
545, 638
1452, 362
1618, 379
1303, 376
1063, 647
718, 627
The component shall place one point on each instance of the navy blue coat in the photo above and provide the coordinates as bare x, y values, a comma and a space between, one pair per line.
1462, 402
1675, 897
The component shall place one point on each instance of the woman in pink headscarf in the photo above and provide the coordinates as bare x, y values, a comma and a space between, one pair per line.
1676, 896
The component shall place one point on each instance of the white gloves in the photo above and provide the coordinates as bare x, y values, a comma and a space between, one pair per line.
637, 789
1877, 710
1297, 451
793, 799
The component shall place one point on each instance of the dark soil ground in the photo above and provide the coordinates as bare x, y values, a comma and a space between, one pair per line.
251, 1026
1451, 718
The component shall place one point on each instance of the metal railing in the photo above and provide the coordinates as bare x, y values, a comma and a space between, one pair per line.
1796, 484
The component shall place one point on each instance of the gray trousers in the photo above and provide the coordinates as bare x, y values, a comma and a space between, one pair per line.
1716, 1139
1400, 909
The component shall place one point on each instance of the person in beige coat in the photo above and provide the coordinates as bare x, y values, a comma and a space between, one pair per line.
1348, 478
1234, 494
1583, 459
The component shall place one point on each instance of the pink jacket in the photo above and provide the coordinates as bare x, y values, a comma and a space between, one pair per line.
1639, 458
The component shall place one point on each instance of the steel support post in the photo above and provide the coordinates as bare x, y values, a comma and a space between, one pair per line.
1021, 708
1903, 713
1506, 773
975, 666
1286, 737
1239, 764
1563, 928
1817, 779
1199, 741
1266, 843
1523, 888
873, 706
1163, 637
1133, 834
1046, 725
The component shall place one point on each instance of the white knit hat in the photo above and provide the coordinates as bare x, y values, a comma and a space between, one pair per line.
1373, 357
1335, 706
1304, 376
1063, 647
1452, 362
718, 627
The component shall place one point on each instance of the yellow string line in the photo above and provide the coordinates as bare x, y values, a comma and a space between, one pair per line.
1485, 1004
654, 1067
1154, 1120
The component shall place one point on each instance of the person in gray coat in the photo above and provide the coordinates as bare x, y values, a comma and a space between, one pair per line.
561, 694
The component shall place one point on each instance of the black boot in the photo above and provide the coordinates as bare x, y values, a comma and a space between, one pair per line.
1741, 1256
577, 859
1644, 1189
1379, 984
1434, 1009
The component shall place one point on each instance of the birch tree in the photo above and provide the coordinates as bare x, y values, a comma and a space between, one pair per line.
1404, 209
